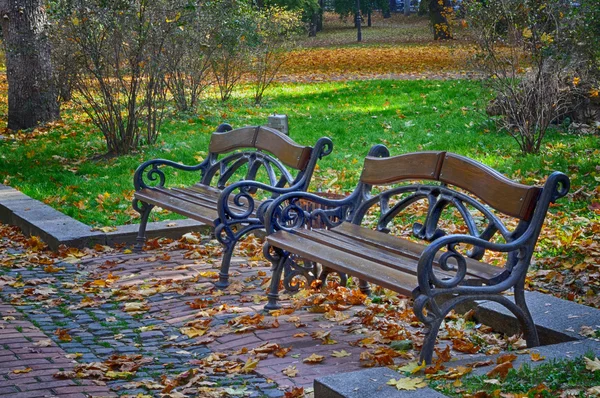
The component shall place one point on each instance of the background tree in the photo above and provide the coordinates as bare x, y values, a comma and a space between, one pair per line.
31, 92
440, 14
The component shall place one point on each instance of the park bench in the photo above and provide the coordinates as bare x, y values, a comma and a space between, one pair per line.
487, 212
240, 155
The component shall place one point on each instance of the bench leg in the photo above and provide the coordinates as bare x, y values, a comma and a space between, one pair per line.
273, 294
225, 263
144, 209
429, 343
527, 324
364, 287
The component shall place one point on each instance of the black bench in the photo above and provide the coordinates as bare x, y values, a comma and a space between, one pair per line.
458, 193
248, 153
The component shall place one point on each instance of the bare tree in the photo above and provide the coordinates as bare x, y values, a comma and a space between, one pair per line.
31, 91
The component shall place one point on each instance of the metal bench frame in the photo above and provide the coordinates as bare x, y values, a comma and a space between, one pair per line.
439, 277
253, 147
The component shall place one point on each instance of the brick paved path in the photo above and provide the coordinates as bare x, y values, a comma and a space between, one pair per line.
27, 369
137, 306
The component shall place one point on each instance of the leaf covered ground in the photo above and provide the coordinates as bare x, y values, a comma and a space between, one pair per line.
153, 323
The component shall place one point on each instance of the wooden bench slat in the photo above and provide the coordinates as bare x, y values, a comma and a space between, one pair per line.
410, 166
407, 248
177, 205
363, 250
341, 261
516, 200
209, 197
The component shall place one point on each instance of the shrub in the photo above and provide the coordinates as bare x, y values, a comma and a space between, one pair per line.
118, 64
526, 48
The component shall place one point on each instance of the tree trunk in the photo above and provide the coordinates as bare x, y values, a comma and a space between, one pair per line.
32, 98
438, 13
406, 8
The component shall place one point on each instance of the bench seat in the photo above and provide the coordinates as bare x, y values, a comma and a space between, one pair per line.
384, 260
198, 202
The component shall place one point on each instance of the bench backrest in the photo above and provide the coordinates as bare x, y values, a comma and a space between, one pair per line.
488, 192
511, 198
263, 138
256, 147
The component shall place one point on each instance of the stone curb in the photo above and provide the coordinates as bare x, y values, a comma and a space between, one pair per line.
558, 323
56, 228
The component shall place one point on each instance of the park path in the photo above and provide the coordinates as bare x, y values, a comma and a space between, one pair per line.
109, 321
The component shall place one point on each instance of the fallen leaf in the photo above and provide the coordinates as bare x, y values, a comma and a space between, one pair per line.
500, 370
407, 383
314, 358
592, 365
340, 354
412, 367
506, 358
296, 392
536, 357
24, 370
63, 335
290, 371
250, 365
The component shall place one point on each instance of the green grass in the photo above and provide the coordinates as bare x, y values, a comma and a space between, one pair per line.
57, 167
546, 380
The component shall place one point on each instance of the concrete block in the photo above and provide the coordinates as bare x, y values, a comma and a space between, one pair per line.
557, 320
368, 383
55, 228
126, 234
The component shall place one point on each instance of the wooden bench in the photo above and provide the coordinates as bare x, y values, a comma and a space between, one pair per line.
241, 155
456, 192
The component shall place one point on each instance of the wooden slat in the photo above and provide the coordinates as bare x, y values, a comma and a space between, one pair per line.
283, 147
393, 244
341, 261
264, 138
243, 137
364, 251
503, 194
208, 197
192, 210
411, 166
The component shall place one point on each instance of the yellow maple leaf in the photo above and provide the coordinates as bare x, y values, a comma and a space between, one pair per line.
407, 383
592, 365
290, 371
536, 357
24, 370
340, 354
250, 365
412, 367
314, 358
192, 332
118, 375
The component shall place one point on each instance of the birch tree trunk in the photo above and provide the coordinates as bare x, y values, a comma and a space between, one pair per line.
32, 98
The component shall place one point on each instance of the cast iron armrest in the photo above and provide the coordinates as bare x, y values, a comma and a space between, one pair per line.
289, 211
150, 171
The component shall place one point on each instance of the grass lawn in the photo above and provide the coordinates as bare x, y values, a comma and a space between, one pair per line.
56, 164
552, 379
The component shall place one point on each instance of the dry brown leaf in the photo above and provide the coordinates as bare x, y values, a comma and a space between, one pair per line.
500, 370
